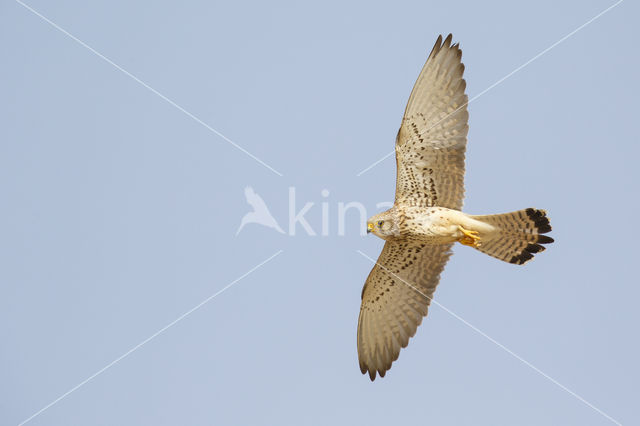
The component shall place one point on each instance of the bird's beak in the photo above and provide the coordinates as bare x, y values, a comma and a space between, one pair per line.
369, 227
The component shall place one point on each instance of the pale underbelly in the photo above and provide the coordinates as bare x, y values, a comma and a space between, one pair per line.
434, 225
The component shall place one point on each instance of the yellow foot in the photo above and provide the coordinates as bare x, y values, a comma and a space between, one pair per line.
470, 238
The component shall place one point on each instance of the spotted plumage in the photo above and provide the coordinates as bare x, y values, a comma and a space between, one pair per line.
426, 218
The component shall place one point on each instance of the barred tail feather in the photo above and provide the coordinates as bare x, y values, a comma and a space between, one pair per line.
518, 235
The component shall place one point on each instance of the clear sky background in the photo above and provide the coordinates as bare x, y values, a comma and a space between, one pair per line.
119, 212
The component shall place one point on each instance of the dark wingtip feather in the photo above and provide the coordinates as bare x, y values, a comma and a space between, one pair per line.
540, 220
447, 41
534, 248
521, 258
545, 239
436, 47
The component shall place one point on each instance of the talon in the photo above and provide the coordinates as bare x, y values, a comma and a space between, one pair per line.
470, 238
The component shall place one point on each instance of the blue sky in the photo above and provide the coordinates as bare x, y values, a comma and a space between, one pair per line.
120, 207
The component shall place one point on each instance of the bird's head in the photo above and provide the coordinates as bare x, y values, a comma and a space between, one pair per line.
383, 225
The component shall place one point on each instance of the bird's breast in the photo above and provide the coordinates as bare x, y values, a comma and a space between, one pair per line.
432, 224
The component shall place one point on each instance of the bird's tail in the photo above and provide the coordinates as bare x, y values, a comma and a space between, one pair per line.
517, 236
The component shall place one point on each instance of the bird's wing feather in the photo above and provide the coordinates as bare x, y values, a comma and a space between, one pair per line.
431, 142
395, 298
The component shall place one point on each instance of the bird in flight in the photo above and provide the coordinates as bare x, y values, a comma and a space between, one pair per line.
426, 218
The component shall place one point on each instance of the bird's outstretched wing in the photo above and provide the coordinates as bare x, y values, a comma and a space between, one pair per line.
395, 298
431, 143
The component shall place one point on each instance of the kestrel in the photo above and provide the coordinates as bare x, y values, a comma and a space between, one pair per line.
425, 220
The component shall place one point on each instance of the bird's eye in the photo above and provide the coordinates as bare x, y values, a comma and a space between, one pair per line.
380, 222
